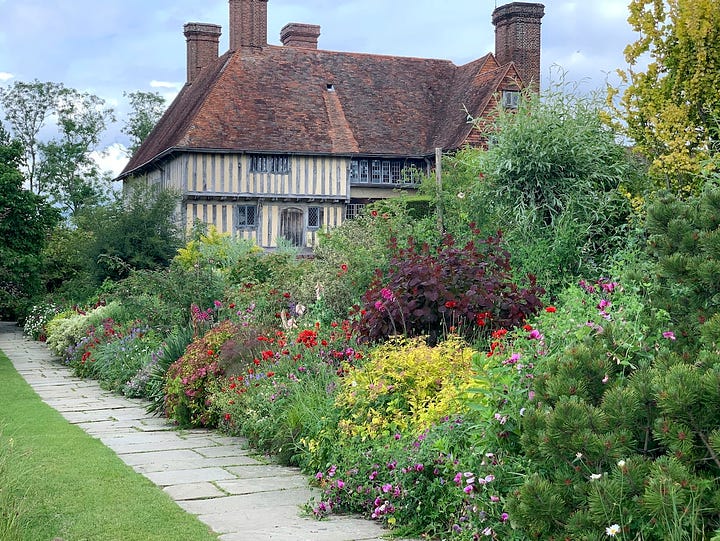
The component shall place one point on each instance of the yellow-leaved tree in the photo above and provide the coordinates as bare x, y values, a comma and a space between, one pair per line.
671, 110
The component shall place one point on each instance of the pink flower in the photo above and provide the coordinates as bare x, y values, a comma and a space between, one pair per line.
379, 305
669, 335
386, 294
468, 489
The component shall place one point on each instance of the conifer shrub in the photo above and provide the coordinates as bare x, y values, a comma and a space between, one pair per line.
469, 290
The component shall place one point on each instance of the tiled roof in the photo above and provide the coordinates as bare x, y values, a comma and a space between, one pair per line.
288, 99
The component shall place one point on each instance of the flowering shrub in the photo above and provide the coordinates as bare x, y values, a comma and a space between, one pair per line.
80, 356
405, 386
67, 328
190, 379
115, 362
37, 318
283, 402
467, 290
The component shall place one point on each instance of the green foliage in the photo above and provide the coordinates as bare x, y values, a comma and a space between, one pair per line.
618, 428
190, 379
25, 221
552, 181
211, 249
467, 290
66, 276
27, 108
138, 232
347, 257
66, 329
172, 348
670, 109
405, 387
146, 108
281, 398
683, 238
116, 362
162, 297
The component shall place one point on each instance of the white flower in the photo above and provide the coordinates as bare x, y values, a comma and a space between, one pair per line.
621, 463
595, 476
578, 456
461, 195
613, 530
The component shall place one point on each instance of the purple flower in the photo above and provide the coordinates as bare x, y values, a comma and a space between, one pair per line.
386, 294
504, 517
468, 489
379, 305
669, 335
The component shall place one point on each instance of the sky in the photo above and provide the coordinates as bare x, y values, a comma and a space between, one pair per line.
109, 47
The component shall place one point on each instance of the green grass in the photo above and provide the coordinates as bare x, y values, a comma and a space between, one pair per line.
58, 482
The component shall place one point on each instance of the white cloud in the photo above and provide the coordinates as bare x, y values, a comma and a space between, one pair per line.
112, 159
5, 76
164, 84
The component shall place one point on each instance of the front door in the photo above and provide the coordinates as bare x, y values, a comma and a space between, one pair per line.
292, 226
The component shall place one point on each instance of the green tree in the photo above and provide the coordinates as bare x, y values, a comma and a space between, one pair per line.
25, 221
68, 171
28, 106
58, 158
671, 110
146, 110
135, 232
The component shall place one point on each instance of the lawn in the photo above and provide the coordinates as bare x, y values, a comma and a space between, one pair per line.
58, 482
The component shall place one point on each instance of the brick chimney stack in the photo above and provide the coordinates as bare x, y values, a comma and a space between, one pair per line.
517, 38
300, 35
202, 47
248, 23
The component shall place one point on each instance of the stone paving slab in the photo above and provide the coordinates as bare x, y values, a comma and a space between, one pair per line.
238, 495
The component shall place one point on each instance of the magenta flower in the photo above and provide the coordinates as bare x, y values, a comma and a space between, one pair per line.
379, 305
468, 489
386, 294
504, 517
669, 335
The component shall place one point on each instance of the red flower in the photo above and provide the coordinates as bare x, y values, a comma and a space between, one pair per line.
227, 417
373, 213
210, 352
550, 309
528, 328
231, 305
270, 374
267, 354
286, 295
450, 304
344, 267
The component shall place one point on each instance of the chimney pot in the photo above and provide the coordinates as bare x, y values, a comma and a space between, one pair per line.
304, 36
202, 47
517, 38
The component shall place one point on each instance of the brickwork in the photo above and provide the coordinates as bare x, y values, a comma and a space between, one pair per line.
202, 47
517, 38
300, 35
248, 24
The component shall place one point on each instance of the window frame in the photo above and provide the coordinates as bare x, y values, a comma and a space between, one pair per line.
319, 217
245, 225
276, 164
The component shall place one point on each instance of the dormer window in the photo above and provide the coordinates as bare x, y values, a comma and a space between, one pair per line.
510, 99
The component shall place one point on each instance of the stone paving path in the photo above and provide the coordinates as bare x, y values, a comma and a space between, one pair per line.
236, 493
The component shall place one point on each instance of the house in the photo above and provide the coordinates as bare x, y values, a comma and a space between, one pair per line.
283, 141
